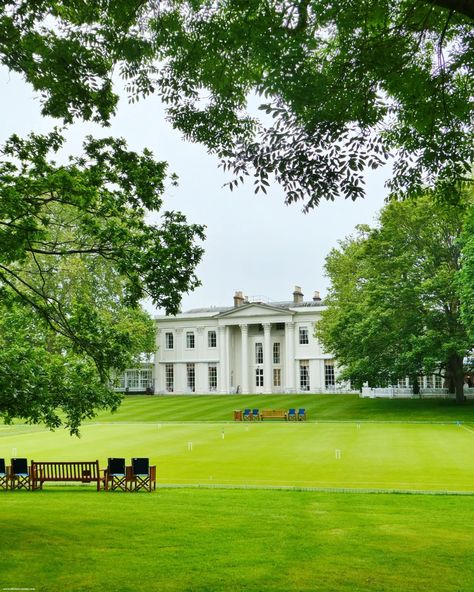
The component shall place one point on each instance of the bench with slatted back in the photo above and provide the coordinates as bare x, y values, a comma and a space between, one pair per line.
65, 472
273, 414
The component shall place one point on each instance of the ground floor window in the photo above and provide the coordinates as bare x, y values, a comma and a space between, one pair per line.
136, 380
212, 377
191, 377
259, 377
145, 379
429, 382
329, 377
169, 378
133, 379
276, 377
304, 375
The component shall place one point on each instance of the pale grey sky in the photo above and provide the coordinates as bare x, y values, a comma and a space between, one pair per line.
254, 242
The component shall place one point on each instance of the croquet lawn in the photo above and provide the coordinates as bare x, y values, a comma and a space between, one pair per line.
277, 506
367, 456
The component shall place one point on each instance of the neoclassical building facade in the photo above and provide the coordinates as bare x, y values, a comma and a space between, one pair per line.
250, 347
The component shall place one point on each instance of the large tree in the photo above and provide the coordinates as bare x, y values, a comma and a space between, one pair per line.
77, 254
394, 306
344, 84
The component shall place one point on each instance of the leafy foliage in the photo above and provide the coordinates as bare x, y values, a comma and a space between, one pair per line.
342, 85
394, 308
466, 278
42, 378
77, 255
96, 206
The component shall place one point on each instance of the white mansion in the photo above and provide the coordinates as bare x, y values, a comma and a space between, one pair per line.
250, 347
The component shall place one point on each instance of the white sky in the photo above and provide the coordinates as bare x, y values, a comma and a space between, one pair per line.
254, 242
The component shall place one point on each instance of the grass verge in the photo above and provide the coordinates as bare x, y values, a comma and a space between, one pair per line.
203, 540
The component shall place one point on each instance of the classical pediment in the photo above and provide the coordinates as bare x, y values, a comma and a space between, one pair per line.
254, 309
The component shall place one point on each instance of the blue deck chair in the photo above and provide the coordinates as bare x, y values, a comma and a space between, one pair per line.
19, 474
247, 414
291, 414
255, 414
3, 475
142, 474
116, 474
301, 414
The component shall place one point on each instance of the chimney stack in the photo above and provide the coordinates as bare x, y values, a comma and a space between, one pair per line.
238, 299
297, 295
316, 297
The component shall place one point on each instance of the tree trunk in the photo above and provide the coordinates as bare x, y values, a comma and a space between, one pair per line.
416, 385
455, 376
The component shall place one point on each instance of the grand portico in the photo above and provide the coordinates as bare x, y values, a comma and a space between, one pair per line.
250, 347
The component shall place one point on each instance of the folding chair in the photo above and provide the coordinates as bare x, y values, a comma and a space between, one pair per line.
301, 414
291, 415
247, 414
255, 414
3, 475
19, 474
142, 474
116, 474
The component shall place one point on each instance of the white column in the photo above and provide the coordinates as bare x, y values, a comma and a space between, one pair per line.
222, 370
200, 369
157, 378
290, 357
267, 358
227, 359
179, 345
245, 359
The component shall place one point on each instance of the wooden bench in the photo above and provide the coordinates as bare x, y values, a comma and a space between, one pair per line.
273, 414
57, 472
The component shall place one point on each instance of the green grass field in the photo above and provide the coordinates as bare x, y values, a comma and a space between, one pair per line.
395, 456
319, 407
252, 506
356, 452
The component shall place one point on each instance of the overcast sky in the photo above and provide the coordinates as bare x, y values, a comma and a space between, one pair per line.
254, 242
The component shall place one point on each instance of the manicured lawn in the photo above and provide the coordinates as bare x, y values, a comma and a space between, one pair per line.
319, 407
362, 456
215, 540
239, 507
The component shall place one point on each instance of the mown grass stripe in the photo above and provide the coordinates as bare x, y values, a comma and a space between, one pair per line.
354, 490
319, 408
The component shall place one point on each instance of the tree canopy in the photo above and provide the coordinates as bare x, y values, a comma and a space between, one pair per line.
466, 278
342, 85
95, 205
394, 306
77, 254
